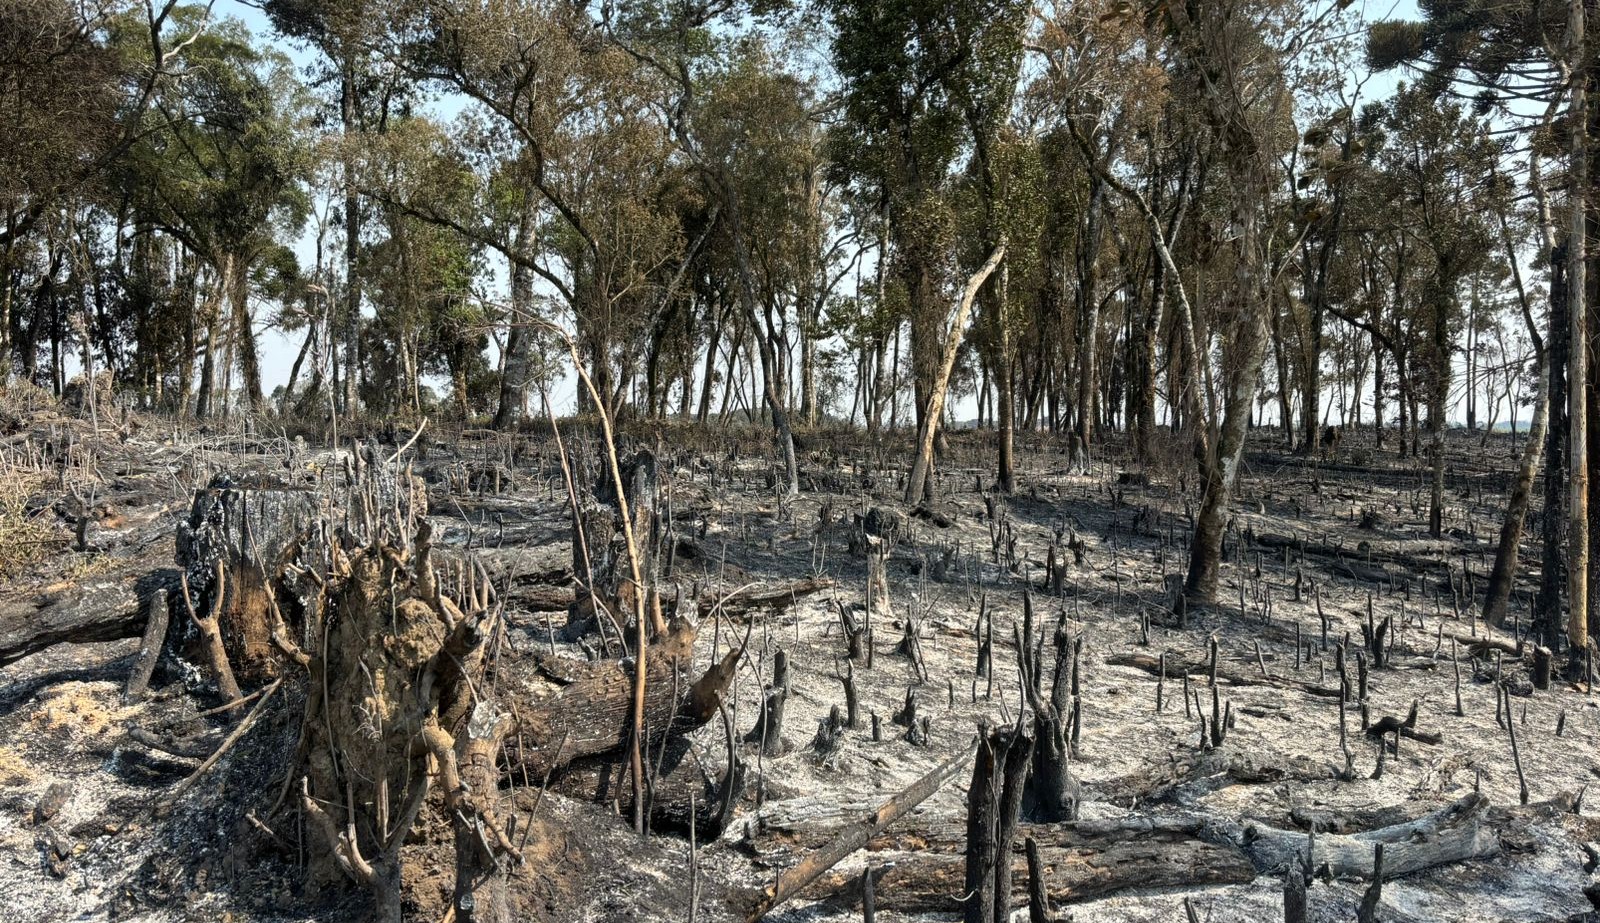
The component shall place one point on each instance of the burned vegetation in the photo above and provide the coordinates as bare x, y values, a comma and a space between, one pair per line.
267, 678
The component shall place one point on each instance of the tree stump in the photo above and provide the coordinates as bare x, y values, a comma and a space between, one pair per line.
238, 536
993, 800
600, 554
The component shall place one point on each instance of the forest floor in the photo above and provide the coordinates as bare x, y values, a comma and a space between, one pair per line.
90, 827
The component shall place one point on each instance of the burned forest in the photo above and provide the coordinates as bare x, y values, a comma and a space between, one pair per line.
798, 460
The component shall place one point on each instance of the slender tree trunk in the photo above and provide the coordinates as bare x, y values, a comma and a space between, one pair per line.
1005, 390
7, 297
351, 325
1552, 578
880, 374
1151, 336
294, 370
1472, 360
189, 295
1438, 394
245, 337
1088, 328
1281, 359
1240, 375
734, 374
772, 387
922, 465
880, 350
1577, 358
1498, 593
808, 376
1377, 390
1310, 382
206, 401
894, 383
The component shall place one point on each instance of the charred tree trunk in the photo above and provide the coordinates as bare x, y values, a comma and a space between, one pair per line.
1578, 340
1439, 392
993, 800
1498, 592
238, 537
768, 731
1005, 390
519, 338
1552, 578
1052, 794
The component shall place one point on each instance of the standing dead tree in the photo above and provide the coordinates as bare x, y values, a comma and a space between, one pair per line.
994, 799
1052, 794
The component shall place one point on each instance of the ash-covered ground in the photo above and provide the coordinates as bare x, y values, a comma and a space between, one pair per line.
89, 828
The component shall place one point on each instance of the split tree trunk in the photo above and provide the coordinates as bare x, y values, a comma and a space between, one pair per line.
993, 800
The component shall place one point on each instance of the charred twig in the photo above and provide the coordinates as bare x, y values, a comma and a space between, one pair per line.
178, 791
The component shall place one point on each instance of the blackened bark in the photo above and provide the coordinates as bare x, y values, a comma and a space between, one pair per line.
1548, 614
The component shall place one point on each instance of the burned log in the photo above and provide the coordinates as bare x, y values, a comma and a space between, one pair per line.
1079, 862
740, 602
753, 904
750, 599
101, 611
592, 715
1455, 833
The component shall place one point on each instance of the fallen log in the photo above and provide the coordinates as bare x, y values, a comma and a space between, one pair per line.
541, 598
753, 904
591, 714
750, 599
1481, 645
105, 611
1455, 833
546, 598
1374, 567
1079, 861
1176, 669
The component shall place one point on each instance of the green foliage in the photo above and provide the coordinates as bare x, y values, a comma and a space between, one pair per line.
595, 160
1485, 41
226, 149
1396, 42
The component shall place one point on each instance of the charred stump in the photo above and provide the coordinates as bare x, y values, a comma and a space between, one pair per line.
993, 801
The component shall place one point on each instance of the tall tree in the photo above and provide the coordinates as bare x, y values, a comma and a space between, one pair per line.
922, 80
223, 168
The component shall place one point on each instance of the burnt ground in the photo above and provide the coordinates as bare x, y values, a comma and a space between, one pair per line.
109, 851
